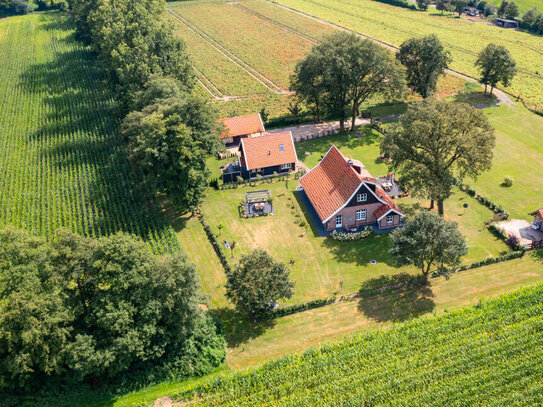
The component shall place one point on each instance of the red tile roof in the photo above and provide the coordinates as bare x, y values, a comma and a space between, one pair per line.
242, 125
268, 150
332, 182
538, 212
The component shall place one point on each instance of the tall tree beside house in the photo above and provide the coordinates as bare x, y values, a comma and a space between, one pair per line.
307, 82
428, 242
345, 70
373, 71
256, 282
437, 141
423, 4
170, 142
426, 60
496, 65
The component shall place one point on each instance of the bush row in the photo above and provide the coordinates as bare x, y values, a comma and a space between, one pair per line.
215, 243
494, 207
268, 179
491, 260
351, 237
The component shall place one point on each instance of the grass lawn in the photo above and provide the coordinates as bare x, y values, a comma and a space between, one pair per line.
518, 153
295, 333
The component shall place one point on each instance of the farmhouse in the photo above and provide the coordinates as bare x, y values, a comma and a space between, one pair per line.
264, 155
236, 128
505, 23
346, 196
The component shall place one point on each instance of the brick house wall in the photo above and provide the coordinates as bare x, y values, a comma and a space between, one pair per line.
349, 216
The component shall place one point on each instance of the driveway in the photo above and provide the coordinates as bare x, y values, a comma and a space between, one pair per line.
522, 229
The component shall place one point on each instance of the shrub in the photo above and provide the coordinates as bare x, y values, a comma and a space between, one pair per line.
508, 181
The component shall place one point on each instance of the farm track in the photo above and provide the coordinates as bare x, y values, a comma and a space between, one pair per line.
254, 73
503, 96
208, 85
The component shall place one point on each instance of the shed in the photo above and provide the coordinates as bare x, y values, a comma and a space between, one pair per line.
505, 23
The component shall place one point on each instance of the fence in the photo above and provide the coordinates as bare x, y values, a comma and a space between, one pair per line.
535, 245
316, 135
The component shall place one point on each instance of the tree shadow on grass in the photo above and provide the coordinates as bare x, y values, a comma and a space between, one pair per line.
412, 297
374, 247
238, 327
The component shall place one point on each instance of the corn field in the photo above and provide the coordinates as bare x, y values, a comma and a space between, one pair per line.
490, 354
62, 163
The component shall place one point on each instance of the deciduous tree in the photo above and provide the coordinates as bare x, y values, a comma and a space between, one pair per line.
437, 141
496, 66
428, 242
423, 4
256, 282
426, 60
170, 143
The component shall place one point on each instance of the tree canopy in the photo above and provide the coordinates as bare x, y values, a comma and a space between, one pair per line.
345, 70
170, 141
256, 282
81, 308
423, 4
428, 242
496, 65
426, 60
437, 141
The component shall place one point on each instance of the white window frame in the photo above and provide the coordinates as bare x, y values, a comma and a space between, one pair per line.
340, 219
390, 218
361, 214
256, 170
285, 166
361, 197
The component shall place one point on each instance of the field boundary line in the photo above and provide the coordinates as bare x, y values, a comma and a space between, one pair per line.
277, 23
207, 80
268, 83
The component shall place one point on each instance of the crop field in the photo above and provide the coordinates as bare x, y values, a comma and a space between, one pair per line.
244, 53
463, 38
490, 354
271, 50
61, 152
523, 4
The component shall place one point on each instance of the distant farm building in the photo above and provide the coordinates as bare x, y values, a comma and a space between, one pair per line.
505, 23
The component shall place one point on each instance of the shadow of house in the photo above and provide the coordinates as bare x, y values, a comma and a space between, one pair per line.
78, 142
410, 298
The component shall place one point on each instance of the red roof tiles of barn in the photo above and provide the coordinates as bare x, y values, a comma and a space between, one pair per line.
268, 150
242, 125
331, 184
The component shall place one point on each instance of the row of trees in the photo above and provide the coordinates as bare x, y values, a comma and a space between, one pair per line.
99, 309
345, 71
170, 132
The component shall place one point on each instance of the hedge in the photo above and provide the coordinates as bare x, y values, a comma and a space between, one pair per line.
494, 207
215, 243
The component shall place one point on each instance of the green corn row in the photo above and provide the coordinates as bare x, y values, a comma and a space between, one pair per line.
490, 354
62, 162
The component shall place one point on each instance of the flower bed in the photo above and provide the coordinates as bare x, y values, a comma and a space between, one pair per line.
351, 237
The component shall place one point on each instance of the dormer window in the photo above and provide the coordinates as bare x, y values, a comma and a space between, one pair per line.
361, 197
